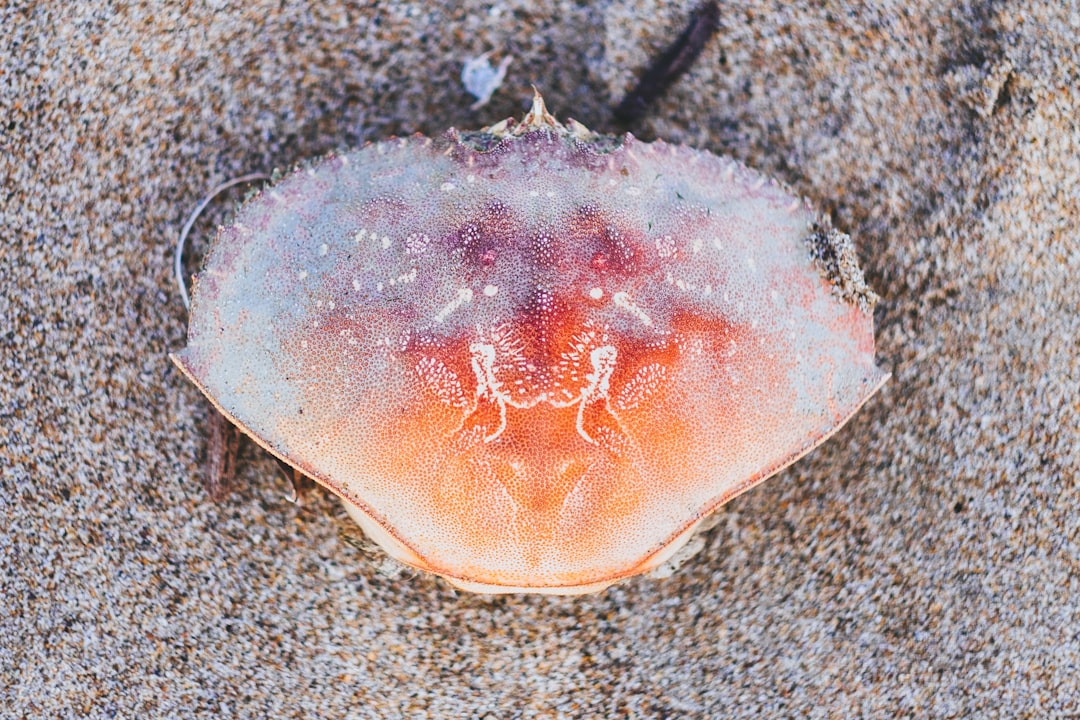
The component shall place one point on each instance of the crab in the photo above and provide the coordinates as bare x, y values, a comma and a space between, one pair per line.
532, 358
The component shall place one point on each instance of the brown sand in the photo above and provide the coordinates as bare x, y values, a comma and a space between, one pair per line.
925, 562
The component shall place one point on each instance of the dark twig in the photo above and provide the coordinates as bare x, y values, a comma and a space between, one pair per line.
667, 68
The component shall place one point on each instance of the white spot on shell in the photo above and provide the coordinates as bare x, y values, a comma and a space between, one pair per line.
464, 295
404, 279
622, 299
415, 243
385, 241
490, 290
323, 249
447, 186
596, 293
302, 275
665, 246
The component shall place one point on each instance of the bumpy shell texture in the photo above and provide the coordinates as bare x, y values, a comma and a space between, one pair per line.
532, 358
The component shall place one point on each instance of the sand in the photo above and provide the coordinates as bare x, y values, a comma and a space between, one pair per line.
922, 563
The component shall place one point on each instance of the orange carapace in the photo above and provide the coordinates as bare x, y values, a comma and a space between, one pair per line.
532, 358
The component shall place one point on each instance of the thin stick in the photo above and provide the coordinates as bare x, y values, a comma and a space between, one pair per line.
667, 68
178, 267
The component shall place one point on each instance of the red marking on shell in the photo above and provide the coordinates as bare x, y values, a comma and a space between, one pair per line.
480, 239
613, 248
531, 366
